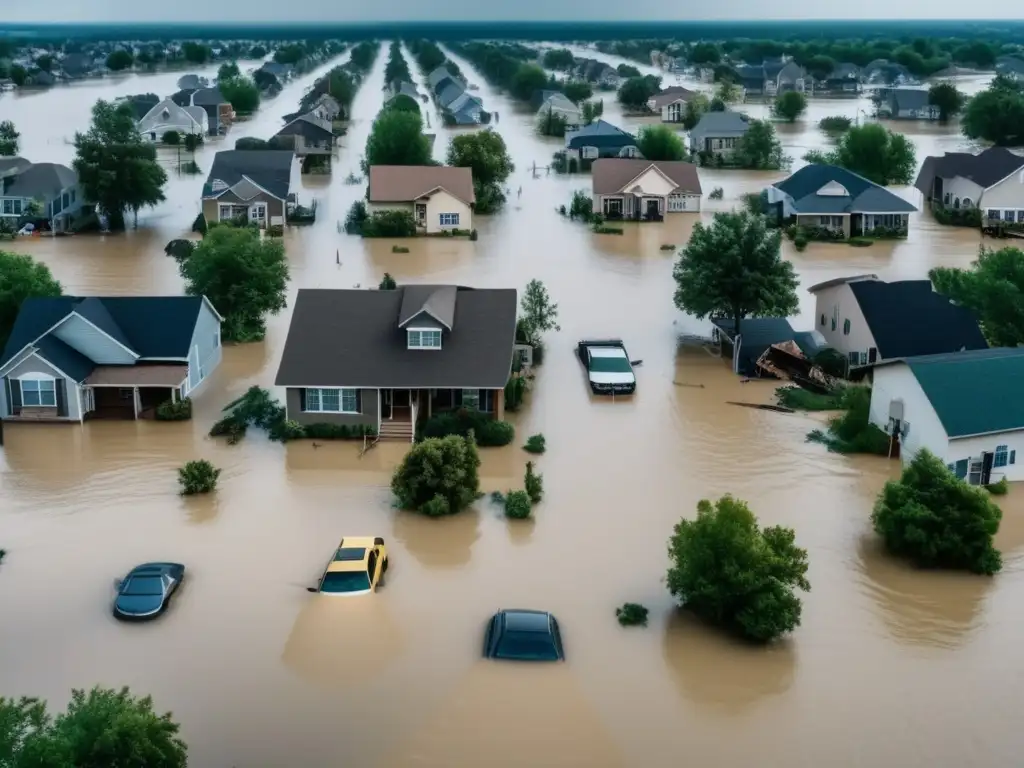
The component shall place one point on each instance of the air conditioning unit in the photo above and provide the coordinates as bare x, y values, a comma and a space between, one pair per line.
904, 429
525, 352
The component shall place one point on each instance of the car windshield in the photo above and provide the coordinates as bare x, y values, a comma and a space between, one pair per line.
346, 581
144, 585
606, 363
527, 646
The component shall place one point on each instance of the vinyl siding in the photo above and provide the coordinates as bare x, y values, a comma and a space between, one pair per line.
973, 447
206, 340
34, 364
1008, 193
367, 406
839, 302
897, 381
88, 340
959, 187
441, 202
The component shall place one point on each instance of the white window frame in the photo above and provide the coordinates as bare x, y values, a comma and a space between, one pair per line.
416, 337
471, 398
38, 380
315, 400
221, 207
260, 209
609, 204
449, 219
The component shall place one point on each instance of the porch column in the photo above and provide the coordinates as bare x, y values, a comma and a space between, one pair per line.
499, 405
135, 401
174, 395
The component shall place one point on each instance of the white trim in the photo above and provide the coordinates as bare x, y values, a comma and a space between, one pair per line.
428, 313
341, 401
35, 353
675, 185
421, 331
36, 377
67, 317
244, 178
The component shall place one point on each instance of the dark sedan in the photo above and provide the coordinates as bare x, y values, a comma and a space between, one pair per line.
518, 635
146, 591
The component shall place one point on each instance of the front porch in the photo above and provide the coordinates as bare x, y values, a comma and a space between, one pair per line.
633, 207
131, 392
402, 409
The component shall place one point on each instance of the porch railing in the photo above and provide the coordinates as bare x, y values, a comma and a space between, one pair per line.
412, 408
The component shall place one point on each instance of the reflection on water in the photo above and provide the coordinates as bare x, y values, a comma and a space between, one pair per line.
443, 542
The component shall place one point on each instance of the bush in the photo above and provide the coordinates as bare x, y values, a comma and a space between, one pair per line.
275, 230
515, 389
387, 283
632, 615
355, 218
728, 571
324, 431
3, 554
1000, 488
171, 138
179, 410
200, 225
605, 230
286, 429
936, 520
438, 476
517, 505
851, 432
958, 217
197, 477
389, 224
257, 407
231, 427
487, 431
473, 235
716, 194
399, 249
831, 361
800, 241
802, 399
886, 233
581, 206
667, 247
535, 444
534, 484
835, 125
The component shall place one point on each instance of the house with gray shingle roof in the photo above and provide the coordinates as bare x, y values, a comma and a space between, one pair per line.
254, 183
52, 187
907, 104
992, 180
820, 196
964, 407
600, 139
71, 358
717, 133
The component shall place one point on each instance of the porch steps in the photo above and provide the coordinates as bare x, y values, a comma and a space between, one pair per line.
394, 431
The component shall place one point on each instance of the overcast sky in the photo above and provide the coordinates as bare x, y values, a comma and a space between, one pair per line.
477, 10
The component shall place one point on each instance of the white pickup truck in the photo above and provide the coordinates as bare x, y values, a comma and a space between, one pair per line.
609, 369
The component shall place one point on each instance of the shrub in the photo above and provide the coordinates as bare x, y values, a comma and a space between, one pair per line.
487, 431
632, 615
387, 283
517, 505
473, 235
286, 429
835, 125
958, 217
257, 407
355, 218
535, 444
275, 230
852, 432
605, 230
197, 477
200, 225
936, 520
534, 484
755, 202
191, 167
325, 431
800, 241
728, 571
667, 247
399, 249
389, 224
3, 554
716, 194
179, 410
171, 138
231, 427
804, 400
1000, 488
831, 361
581, 206
515, 389
438, 476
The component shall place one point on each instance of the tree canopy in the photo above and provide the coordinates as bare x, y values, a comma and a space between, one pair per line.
528, 79
728, 571
538, 314
101, 728
117, 170
634, 93
695, 109
577, 90
228, 70
120, 60
403, 103
947, 98
397, 138
397, 68
759, 149
9, 139
937, 520
486, 154
789, 106
734, 268
21, 278
242, 92
559, 58
878, 154
438, 476
244, 276
660, 142
993, 288
996, 114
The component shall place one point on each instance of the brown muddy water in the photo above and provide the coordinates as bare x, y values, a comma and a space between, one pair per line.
890, 667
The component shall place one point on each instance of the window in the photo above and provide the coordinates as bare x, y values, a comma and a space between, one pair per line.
993, 214
1007, 215
1002, 456
1020, 217
449, 219
39, 392
846, 327
371, 565
321, 400
833, 322
961, 468
225, 212
216, 340
72, 195
823, 318
424, 338
946, 201
471, 398
613, 205
858, 358
1013, 457
126, 393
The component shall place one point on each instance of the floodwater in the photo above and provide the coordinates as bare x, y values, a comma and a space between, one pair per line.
262, 674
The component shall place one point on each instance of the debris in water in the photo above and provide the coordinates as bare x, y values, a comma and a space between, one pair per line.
763, 406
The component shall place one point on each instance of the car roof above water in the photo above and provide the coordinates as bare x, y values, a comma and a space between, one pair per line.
607, 351
527, 621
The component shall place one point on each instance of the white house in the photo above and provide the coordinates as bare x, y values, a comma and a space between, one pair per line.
964, 407
992, 180
558, 104
670, 103
625, 188
168, 116
440, 198
870, 320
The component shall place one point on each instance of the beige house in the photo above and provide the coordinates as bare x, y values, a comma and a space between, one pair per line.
253, 184
440, 198
671, 103
642, 190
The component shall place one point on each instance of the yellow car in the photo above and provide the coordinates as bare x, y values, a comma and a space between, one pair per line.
357, 568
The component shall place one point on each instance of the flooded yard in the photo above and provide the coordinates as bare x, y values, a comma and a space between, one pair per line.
890, 667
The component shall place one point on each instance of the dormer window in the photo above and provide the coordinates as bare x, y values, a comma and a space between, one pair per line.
424, 338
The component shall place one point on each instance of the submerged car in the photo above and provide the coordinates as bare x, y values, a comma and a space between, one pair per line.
147, 589
521, 635
357, 567
609, 369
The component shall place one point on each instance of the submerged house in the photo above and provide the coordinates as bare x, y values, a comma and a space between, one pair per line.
252, 183
600, 139
992, 180
756, 336
643, 190
397, 356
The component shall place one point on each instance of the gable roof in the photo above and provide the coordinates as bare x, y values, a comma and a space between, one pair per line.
862, 195
308, 125
449, 93
438, 301
723, 124
438, 75
42, 180
172, 109
148, 326
909, 98
143, 103
465, 100
369, 350
404, 183
671, 96
208, 97
840, 281
12, 166
908, 318
599, 134
560, 101
271, 169
973, 393
611, 174
984, 169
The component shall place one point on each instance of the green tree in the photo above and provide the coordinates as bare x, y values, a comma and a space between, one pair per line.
875, 153
527, 80
705, 53
947, 98
21, 278
397, 68
117, 170
291, 53
228, 70
103, 728
403, 103
196, 53
18, 74
727, 92
591, 110
789, 106
120, 60
257, 52
820, 67
561, 59
45, 63
634, 93
9, 137
734, 268
996, 114
759, 148
242, 92
397, 138
659, 142
486, 154
728, 571
577, 90
363, 55
936, 520
537, 313
627, 71
551, 123
695, 109
993, 288
439, 476
244, 276
977, 52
